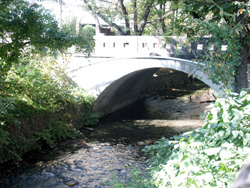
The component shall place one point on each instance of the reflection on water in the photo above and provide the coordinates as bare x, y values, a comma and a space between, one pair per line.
112, 147
140, 122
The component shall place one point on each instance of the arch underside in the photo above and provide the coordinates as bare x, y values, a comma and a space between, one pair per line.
131, 86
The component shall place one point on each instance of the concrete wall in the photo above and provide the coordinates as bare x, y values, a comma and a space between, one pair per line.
120, 46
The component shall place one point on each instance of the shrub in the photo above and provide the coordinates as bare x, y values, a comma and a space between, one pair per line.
209, 156
39, 106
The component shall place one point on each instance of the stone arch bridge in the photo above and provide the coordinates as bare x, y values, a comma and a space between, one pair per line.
118, 82
121, 66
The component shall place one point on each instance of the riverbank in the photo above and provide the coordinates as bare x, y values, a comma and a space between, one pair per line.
110, 151
109, 148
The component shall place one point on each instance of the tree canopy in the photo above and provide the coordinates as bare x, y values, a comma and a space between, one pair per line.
224, 22
134, 14
29, 28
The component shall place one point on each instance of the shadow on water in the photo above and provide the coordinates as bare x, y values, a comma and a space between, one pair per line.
135, 124
129, 125
113, 145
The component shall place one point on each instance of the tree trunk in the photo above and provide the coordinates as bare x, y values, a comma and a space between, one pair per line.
162, 20
97, 27
144, 18
125, 14
241, 78
135, 18
61, 11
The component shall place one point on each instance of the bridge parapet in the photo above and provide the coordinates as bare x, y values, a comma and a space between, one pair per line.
128, 46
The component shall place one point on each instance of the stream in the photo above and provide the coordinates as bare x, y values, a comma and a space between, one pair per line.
111, 149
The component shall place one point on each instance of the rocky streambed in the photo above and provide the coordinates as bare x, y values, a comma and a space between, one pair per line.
113, 147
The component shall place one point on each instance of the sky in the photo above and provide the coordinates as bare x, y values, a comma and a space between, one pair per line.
71, 8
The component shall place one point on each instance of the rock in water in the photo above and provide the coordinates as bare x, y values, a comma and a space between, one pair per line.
72, 183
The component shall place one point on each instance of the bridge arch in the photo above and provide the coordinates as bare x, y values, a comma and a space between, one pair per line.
118, 82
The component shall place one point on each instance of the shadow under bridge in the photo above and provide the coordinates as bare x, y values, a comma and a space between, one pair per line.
118, 82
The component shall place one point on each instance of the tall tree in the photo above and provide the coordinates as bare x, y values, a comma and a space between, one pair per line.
134, 14
29, 28
225, 22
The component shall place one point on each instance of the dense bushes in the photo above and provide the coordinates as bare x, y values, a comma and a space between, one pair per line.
39, 106
209, 156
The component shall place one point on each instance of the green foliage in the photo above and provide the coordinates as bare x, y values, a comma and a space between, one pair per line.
32, 82
157, 22
25, 87
13, 147
26, 29
223, 23
209, 156
136, 179
55, 132
84, 40
35, 88
88, 29
220, 64
86, 35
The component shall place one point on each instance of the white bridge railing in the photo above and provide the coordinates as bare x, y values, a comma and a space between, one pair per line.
114, 46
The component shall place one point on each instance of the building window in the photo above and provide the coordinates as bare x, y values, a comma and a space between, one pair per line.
125, 44
155, 45
113, 45
144, 45
104, 45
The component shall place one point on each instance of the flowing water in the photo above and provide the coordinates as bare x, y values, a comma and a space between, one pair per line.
112, 147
